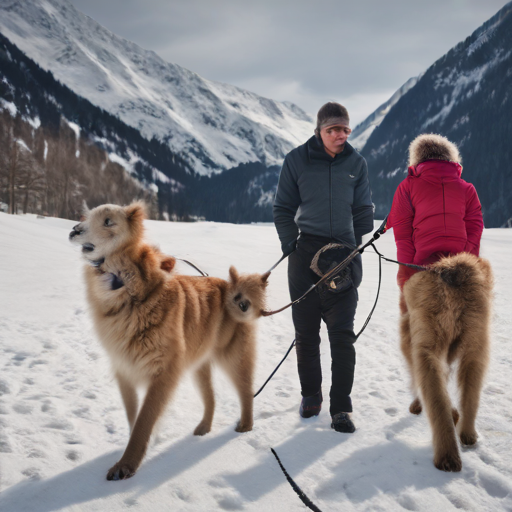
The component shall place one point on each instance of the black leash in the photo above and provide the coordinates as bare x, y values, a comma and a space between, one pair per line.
301, 494
204, 274
277, 262
277, 368
368, 318
410, 265
338, 268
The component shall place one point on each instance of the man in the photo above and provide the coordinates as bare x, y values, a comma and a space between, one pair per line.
323, 196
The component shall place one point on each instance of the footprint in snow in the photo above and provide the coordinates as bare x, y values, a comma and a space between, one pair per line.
47, 406
4, 388
19, 358
183, 494
60, 425
37, 362
493, 390
82, 412
73, 440
459, 502
408, 502
488, 458
229, 500
22, 408
32, 473
73, 455
36, 454
5, 447
495, 485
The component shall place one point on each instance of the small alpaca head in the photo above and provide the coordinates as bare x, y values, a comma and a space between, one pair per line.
246, 295
107, 229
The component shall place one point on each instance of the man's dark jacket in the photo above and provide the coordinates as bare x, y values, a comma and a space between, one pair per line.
323, 196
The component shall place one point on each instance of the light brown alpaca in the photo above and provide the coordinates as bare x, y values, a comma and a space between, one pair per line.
446, 317
155, 324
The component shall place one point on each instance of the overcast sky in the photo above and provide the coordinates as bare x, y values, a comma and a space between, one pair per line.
357, 53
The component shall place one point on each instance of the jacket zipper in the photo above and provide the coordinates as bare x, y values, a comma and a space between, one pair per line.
444, 208
330, 198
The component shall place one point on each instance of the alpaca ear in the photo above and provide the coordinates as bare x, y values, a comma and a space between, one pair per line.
167, 264
85, 211
233, 275
264, 277
136, 212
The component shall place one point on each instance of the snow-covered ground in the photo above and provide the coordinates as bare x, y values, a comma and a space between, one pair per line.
62, 423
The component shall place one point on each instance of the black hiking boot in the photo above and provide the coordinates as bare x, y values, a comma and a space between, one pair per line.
311, 405
341, 422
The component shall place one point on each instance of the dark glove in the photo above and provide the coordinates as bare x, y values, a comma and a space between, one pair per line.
289, 247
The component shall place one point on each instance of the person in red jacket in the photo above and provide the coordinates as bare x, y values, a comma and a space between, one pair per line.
435, 213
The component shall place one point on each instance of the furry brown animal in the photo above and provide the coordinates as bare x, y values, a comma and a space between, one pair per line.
445, 317
155, 324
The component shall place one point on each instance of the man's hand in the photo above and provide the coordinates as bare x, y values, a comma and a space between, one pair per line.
289, 247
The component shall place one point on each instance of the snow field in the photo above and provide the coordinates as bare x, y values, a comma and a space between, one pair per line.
62, 423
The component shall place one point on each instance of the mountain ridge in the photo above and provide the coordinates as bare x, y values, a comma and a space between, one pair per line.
464, 95
212, 126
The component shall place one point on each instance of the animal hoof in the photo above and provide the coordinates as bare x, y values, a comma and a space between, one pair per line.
448, 462
242, 427
120, 472
468, 438
202, 429
455, 416
415, 407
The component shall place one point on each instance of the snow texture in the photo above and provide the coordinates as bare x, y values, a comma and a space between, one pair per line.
62, 424
213, 126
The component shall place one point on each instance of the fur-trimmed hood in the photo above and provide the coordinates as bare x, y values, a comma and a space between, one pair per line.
430, 146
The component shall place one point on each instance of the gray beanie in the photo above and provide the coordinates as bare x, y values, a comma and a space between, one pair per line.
330, 114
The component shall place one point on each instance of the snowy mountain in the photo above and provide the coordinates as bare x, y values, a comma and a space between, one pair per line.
465, 96
363, 130
74, 151
211, 126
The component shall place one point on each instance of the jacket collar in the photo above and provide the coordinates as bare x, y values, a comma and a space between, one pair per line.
436, 170
317, 152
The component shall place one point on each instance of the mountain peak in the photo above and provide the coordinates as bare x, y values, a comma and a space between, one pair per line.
212, 126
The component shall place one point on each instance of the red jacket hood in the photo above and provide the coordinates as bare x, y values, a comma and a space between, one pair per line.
437, 170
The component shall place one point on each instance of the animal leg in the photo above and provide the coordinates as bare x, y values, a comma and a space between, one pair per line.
472, 367
432, 382
157, 396
238, 362
204, 381
405, 345
130, 399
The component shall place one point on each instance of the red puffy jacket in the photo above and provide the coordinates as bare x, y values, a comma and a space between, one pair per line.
435, 213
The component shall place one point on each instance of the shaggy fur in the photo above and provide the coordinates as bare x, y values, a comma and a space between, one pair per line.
155, 324
430, 146
445, 317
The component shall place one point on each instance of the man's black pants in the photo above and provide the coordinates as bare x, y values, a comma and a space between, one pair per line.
337, 310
